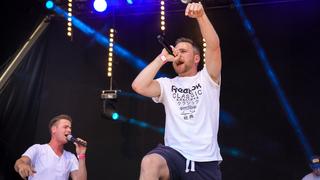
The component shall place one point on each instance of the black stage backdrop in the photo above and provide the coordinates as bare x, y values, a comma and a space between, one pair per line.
257, 142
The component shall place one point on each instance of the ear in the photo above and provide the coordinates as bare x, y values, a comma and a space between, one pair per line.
196, 59
53, 129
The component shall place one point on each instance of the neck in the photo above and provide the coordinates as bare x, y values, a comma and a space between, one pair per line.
189, 73
56, 147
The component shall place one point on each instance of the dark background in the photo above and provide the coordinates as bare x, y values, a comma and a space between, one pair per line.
63, 76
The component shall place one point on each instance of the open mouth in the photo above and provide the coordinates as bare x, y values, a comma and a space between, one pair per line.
178, 63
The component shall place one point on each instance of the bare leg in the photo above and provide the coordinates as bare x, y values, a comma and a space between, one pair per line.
154, 167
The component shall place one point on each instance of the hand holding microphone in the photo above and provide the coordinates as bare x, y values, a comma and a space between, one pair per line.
170, 50
81, 146
190, 1
76, 140
164, 44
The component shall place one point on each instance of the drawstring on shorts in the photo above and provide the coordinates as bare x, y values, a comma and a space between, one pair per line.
192, 169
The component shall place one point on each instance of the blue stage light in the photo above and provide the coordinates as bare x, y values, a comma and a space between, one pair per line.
49, 4
130, 2
100, 5
115, 116
292, 118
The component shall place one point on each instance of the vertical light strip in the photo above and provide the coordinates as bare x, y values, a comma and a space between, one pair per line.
69, 25
204, 46
162, 17
110, 54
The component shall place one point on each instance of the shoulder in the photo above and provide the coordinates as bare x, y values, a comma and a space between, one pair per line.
307, 177
37, 146
164, 80
33, 150
69, 155
205, 74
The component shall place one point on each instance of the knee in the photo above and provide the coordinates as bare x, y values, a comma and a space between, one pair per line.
154, 166
151, 162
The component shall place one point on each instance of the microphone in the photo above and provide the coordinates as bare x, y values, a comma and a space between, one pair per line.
164, 44
190, 1
186, 1
75, 140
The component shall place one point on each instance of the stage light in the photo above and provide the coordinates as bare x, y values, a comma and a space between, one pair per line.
100, 5
109, 103
130, 2
126, 55
204, 46
110, 59
69, 17
162, 15
49, 4
115, 116
292, 117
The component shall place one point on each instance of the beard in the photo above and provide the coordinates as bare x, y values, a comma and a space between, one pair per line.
182, 68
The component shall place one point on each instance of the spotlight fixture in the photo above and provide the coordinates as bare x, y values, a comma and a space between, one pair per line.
110, 94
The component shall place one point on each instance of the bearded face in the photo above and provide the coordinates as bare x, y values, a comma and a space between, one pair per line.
186, 65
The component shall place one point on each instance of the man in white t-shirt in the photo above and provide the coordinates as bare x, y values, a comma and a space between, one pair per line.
191, 101
315, 166
50, 161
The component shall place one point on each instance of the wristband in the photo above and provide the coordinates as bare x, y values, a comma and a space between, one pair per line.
163, 59
81, 156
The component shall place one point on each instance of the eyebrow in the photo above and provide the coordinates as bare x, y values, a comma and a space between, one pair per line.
182, 49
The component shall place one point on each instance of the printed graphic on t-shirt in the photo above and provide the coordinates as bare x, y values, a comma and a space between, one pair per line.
187, 99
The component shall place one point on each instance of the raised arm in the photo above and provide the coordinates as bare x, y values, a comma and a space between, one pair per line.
144, 83
212, 54
23, 167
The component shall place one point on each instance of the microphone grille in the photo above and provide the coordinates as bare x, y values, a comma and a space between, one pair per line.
186, 1
69, 137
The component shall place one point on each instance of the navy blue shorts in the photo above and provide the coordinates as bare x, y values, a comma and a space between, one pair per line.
177, 166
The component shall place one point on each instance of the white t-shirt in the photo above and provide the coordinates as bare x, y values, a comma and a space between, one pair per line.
311, 176
50, 166
192, 115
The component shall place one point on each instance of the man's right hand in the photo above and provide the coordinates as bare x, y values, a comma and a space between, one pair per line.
25, 170
169, 57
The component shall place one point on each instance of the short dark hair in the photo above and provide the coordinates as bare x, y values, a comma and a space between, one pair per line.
57, 118
190, 41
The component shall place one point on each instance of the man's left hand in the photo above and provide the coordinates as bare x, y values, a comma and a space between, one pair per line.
194, 10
